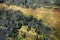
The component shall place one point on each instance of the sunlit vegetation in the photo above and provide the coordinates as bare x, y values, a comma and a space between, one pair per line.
13, 21
29, 20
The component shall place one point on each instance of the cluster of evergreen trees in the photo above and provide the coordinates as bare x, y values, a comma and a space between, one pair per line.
11, 21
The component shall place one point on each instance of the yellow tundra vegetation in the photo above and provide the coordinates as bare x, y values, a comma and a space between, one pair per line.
50, 17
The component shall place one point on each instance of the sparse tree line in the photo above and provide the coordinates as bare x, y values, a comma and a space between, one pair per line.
30, 3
